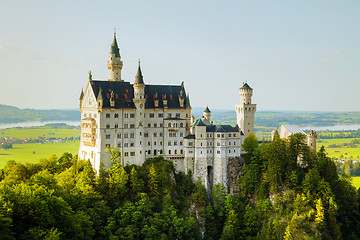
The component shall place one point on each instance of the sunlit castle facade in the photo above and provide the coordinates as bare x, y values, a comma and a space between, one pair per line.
144, 121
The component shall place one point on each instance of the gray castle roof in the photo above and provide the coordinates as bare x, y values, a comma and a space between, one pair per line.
246, 86
221, 128
124, 94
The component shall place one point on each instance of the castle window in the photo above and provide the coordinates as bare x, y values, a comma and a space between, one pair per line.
126, 154
169, 151
119, 135
234, 135
200, 144
107, 136
126, 135
169, 125
160, 115
181, 143
126, 125
190, 143
140, 152
132, 153
155, 134
175, 143
248, 123
169, 143
151, 115
107, 125
132, 115
149, 143
229, 143
132, 144
116, 115
161, 143
154, 143
161, 125
126, 115
222, 135
116, 125
149, 124
218, 135
178, 115
229, 151
132, 135
126, 144
155, 124
108, 115
160, 151
146, 134
140, 143
234, 143
218, 144
107, 145
181, 134
229, 134
169, 115
175, 151
119, 145
132, 125
218, 151
181, 151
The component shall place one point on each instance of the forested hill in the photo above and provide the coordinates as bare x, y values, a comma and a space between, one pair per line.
10, 114
277, 118
63, 198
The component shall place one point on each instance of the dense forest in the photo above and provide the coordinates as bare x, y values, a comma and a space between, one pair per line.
286, 192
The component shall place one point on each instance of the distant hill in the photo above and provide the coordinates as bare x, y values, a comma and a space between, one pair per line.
277, 118
10, 114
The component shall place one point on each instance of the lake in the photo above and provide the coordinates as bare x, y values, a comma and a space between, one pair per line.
333, 128
37, 124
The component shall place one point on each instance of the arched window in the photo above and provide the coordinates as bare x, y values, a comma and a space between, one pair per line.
169, 125
181, 125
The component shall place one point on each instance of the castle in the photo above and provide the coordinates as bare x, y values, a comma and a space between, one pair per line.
144, 121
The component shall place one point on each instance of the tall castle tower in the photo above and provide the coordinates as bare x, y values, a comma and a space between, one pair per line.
245, 111
114, 63
311, 140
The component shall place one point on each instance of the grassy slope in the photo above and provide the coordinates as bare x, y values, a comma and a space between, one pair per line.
23, 133
336, 152
356, 182
24, 152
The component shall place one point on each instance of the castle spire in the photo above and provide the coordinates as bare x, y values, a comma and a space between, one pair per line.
139, 77
114, 63
114, 47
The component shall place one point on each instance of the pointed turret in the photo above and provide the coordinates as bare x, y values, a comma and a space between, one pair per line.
114, 63
114, 47
139, 77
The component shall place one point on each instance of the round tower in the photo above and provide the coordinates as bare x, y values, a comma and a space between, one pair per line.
245, 111
245, 93
311, 140
114, 63
207, 114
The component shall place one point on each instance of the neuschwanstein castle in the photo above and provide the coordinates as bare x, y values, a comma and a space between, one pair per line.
144, 121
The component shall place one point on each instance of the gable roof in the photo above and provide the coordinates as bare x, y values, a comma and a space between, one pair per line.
124, 94
221, 128
293, 129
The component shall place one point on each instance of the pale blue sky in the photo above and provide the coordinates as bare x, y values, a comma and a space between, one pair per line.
297, 55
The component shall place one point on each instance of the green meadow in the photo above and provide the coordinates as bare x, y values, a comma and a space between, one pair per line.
347, 152
35, 132
24, 153
356, 182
